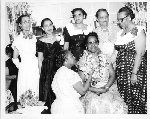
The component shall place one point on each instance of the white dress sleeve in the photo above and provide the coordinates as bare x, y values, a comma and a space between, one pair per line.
74, 78
16, 43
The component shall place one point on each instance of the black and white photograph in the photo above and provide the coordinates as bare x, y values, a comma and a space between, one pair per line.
63, 58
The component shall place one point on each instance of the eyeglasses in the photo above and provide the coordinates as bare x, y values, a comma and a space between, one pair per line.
103, 18
25, 22
90, 43
121, 19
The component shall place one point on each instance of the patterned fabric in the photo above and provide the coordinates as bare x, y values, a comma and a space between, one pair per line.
135, 96
67, 98
107, 38
8, 97
99, 63
47, 70
107, 103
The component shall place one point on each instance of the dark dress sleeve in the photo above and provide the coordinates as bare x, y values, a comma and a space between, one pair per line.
39, 46
66, 35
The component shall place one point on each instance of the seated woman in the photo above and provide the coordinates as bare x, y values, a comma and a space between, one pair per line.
67, 86
102, 97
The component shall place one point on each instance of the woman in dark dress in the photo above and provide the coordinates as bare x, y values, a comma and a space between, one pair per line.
11, 78
131, 67
74, 33
47, 46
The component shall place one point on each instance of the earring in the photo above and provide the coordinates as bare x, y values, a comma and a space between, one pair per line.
65, 62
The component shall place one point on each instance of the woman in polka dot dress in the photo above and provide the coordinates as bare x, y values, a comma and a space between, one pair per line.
131, 66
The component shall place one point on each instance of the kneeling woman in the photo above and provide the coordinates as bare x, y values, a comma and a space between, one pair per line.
102, 97
67, 86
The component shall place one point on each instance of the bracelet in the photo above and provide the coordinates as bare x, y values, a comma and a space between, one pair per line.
134, 73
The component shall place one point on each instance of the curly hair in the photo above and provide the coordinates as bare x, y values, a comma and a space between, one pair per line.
9, 50
60, 58
80, 9
42, 24
128, 12
45, 19
101, 10
90, 34
18, 21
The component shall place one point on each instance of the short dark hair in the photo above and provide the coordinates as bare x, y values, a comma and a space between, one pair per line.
128, 11
18, 21
101, 10
80, 9
42, 24
60, 58
45, 19
90, 34
9, 50
20, 18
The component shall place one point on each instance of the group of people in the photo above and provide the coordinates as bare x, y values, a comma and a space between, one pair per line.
98, 71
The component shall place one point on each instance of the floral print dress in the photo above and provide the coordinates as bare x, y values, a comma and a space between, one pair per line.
107, 103
8, 97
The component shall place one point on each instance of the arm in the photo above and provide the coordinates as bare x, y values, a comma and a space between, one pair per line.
111, 77
82, 88
109, 83
140, 45
40, 60
113, 58
15, 57
96, 90
66, 45
8, 77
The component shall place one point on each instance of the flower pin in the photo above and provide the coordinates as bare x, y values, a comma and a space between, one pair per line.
134, 31
30, 35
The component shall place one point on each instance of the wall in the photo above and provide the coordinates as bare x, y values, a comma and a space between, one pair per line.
60, 13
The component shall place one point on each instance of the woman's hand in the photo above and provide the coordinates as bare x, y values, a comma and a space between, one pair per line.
14, 76
133, 79
91, 72
101, 90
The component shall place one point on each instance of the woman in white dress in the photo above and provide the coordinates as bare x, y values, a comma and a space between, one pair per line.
25, 46
102, 97
107, 32
67, 86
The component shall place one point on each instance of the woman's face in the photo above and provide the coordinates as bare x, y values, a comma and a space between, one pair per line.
48, 26
103, 18
25, 23
122, 19
71, 59
78, 17
92, 44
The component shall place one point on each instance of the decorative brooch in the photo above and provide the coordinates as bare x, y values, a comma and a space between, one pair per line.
134, 31
30, 35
